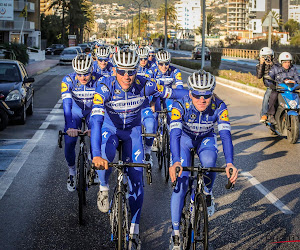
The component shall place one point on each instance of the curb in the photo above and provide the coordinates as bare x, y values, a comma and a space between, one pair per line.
246, 88
44, 70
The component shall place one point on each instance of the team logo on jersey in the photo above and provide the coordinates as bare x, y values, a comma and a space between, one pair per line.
213, 106
104, 89
138, 81
93, 78
187, 105
178, 76
175, 114
224, 116
117, 91
160, 88
193, 116
98, 99
64, 87
146, 75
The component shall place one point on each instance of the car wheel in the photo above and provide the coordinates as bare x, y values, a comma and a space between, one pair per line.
30, 108
23, 117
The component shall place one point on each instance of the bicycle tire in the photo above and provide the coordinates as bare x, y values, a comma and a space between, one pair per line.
166, 153
185, 228
200, 226
81, 186
123, 225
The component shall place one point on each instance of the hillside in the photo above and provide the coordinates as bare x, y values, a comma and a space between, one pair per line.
154, 3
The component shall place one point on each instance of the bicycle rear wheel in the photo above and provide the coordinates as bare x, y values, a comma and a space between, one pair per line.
81, 187
200, 226
166, 152
185, 228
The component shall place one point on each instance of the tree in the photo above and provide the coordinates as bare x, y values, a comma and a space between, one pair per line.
210, 19
296, 39
171, 12
232, 39
198, 31
275, 15
292, 27
50, 28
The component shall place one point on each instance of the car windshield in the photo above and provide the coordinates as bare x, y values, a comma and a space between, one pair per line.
9, 73
69, 52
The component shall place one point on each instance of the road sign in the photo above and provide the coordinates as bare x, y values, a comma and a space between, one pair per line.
72, 37
269, 17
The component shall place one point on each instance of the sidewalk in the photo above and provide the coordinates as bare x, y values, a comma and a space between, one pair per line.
39, 67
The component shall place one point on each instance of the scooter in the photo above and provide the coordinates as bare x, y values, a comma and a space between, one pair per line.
287, 112
5, 112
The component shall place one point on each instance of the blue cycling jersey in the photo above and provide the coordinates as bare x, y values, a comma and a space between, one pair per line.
141, 71
107, 72
187, 120
76, 96
172, 76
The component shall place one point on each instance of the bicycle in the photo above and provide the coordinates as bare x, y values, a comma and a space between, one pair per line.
84, 173
119, 211
194, 216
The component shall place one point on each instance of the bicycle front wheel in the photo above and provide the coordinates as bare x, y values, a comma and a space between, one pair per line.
200, 226
166, 150
123, 224
81, 187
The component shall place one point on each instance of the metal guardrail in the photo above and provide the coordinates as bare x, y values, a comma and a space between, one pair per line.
249, 54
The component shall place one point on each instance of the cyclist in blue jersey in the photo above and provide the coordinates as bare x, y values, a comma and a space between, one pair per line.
192, 126
77, 92
151, 56
144, 64
102, 65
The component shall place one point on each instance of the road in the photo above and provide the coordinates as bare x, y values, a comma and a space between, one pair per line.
37, 211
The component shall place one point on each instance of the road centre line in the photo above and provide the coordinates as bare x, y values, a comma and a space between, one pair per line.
9, 175
271, 197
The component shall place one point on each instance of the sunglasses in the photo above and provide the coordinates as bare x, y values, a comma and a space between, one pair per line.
85, 75
199, 96
122, 72
151, 55
165, 63
145, 59
102, 60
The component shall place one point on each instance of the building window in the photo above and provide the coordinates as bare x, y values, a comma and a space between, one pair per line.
254, 26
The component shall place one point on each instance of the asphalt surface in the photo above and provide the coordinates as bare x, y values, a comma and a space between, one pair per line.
37, 211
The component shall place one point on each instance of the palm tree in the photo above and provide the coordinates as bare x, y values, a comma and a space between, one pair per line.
276, 16
210, 22
171, 12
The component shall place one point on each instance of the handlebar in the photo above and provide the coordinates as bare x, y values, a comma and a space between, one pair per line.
120, 165
60, 136
203, 170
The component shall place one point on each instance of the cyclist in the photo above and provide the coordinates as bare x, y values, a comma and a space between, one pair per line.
102, 65
151, 56
133, 46
266, 61
165, 75
144, 64
278, 73
192, 126
116, 115
77, 92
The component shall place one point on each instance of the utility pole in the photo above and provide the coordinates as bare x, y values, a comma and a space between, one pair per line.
166, 24
203, 35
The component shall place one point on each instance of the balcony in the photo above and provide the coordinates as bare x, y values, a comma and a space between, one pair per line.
17, 25
19, 6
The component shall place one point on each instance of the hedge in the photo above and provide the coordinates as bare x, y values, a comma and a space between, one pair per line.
20, 51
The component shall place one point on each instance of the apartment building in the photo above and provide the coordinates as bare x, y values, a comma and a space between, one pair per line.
237, 15
294, 10
18, 27
188, 15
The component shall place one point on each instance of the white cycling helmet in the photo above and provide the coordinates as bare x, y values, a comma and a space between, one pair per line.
82, 64
201, 81
127, 59
266, 51
103, 52
143, 52
163, 56
285, 56
133, 46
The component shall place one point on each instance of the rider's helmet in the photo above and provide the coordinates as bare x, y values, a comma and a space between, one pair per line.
151, 49
133, 46
103, 52
82, 64
142, 52
127, 59
266, 51
201, 81
285, 56
163, 56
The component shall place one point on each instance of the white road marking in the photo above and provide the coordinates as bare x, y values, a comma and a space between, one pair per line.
271, 197
9, 175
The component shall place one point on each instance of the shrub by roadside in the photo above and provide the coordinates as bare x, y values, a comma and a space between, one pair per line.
20, 51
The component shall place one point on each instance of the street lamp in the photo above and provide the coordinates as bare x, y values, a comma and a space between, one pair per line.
140, 4
203, 35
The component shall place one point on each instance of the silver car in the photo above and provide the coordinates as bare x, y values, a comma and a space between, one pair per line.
67, 55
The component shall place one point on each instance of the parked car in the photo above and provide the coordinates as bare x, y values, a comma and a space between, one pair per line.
67, 55
197, 53
17, 88
55, 49
5, 112
78, 48
84, 46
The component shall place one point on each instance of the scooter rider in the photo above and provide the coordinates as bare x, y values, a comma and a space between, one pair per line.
266, 61
278, 73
